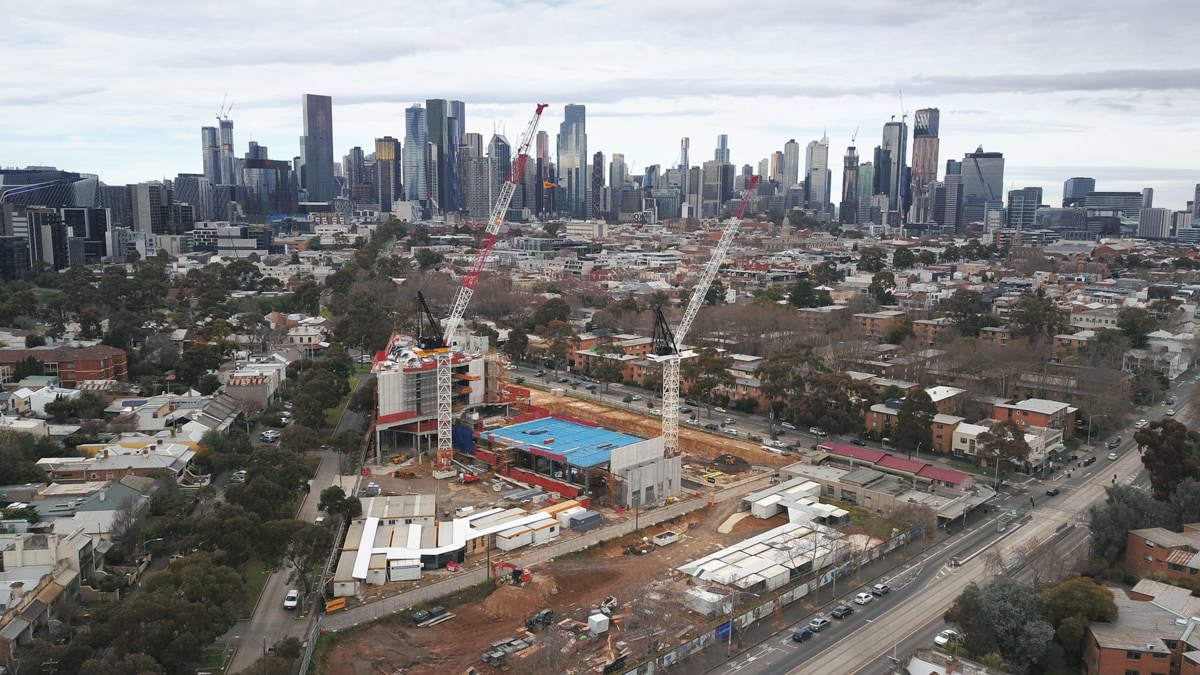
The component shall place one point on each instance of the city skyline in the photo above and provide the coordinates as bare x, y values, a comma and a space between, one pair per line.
1053, 119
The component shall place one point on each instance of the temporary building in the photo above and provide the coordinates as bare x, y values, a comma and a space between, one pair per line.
586, 520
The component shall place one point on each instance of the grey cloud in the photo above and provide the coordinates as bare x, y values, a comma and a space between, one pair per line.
1104, 80
25, 97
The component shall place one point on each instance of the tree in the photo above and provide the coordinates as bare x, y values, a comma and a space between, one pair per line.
871, 260
127, 524
926, 257
882, 285
705, 373
362, 401
268, 665
34, 340
60, 409
517, 344
208, 384
428, 258
1136, 323
608, 369
914, 422
230, 529
1005, 441
1125, 509
1069, 607
804, 295
1171, 453
303, 546
825, 273
899, 334
196, 361
968, 312
560, 337
715, 295
551, 311
333, 499
1036, 318
1005, 617
903, 258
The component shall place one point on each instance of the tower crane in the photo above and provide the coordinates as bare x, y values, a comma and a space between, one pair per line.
439, 346
666, 342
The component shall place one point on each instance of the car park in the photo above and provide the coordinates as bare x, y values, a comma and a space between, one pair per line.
841, 611
819, 624
802, 635
880, 590
1112, 455
292, 601
863, 598
1052, 492
947, 637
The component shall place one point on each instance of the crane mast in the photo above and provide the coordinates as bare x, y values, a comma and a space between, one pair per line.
462, 298
671, 360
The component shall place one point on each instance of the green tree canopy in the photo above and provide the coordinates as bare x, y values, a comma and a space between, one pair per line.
914, 422
1171, 454
1069, 607
1005, 617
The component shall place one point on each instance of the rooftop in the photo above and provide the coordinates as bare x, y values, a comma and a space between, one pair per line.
572, 442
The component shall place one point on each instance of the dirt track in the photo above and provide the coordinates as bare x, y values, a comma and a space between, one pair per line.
691, 441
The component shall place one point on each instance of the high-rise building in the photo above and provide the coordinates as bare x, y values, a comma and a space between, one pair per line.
776, 173
818, 178
684, 166
1075, 190
791, 163
866, 189
499, 163
597, 191
1155, 223
722, 153
712, 192
456, 125
415, 154
925, 149
474, 142
388, 186
151, 208
316, 148
1127, 204
983, 184
229, 169
882, 160
210, 153
90, 225
194, 189
437, 127
270, 189
474, 178
948, 202
573, 172
1147, 198
617, 171
1196, 207
1023, 206
895, 141
848, 209
354, 166
764, 168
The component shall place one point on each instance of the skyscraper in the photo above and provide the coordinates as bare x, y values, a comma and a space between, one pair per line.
1147, 198
230, 170
722, 153
387, 173
573, 171
848, 210
791, 163
457, 129
194, 189
866, 189
499, 164
475, 143
597, 192
316, 148
1196, 207
1075, 190
895, 141
437, 127
415, 154
925, 149
210, 153
684, 166
983, 184
617, 171
1022, 207
354, 167
1154, 223
818, 177
776, 167
764, 168
948, 203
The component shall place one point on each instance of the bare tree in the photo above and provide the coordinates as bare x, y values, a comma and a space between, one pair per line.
127, 525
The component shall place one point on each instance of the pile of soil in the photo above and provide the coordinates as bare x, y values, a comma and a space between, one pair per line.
519, 602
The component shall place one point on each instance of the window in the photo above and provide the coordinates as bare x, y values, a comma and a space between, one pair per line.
1133, 656
1148, 558
1149, 544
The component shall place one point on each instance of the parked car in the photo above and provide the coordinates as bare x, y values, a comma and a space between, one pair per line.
635, 397
841, 611
788, 425
754, 438
1052, 492
863, 598
1112, 455
719, 410
564, 380
1140, 424
238, 476
729, 420
880, 590
802, 635
819, 624
816, 431
946, 637
1171, 413
712, 427
656, 412
541, 373
731, 431
292, 601
269, 436
685, 410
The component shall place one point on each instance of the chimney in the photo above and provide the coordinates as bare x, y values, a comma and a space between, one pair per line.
18, 590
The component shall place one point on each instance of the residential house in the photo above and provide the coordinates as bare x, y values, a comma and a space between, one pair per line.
116, 460
1171, 364
38, 572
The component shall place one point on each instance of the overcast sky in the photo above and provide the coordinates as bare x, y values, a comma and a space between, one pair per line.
1104, 88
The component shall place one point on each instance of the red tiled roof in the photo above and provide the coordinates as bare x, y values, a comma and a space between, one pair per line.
934, 472
854, 452
902, 464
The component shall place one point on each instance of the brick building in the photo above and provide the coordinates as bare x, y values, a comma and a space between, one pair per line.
1155, 632
71, 365
931, 331
1037, 412
998, 337
879, 324
1158, 551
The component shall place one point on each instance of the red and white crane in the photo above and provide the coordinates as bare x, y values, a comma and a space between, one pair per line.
666, 343
495, 227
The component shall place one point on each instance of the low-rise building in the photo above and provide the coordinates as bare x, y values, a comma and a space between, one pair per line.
1161, 552
71, 365
878, 324
1156, 631
932, 331
1037, 412
995, 336
115, 461
1171, 364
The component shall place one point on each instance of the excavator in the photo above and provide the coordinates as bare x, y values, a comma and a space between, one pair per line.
509, 573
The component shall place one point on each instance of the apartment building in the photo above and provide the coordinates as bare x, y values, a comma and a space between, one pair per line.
995, 336
931, 331
878, 324
71, 365
1156, 631
1158, 551
1037, 412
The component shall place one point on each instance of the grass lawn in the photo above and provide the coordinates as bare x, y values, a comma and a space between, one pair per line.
256, 574
875, 525
214, 661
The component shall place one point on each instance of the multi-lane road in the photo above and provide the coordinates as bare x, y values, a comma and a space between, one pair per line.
912, 615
